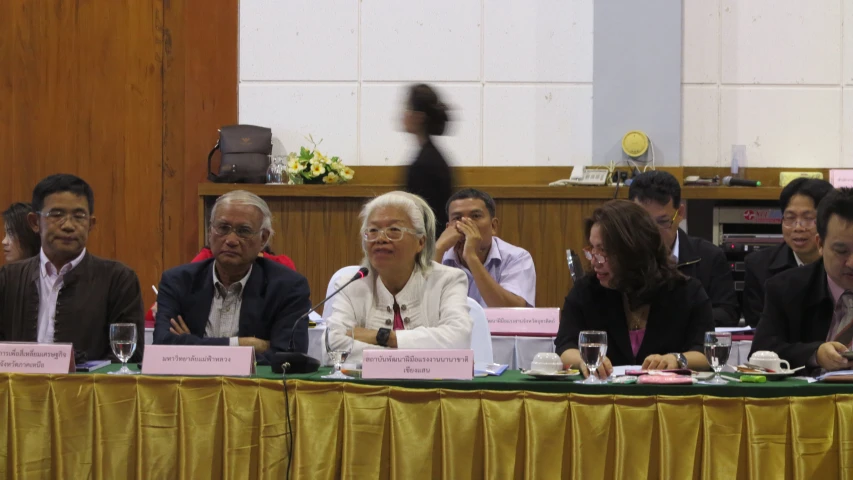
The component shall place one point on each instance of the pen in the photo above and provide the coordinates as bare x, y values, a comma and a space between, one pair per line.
155, 289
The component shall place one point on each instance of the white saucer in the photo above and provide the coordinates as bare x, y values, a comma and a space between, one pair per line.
551, 376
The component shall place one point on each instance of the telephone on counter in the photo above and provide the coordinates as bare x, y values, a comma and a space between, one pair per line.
581, 175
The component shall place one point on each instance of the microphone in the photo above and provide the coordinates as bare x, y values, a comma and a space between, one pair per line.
738, 182
297, 362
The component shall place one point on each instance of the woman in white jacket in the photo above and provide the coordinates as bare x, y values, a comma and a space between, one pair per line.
407, 300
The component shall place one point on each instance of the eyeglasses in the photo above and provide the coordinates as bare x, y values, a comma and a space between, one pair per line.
666, 224
224, 229
592, 255
393, 234
58, 216
805, 222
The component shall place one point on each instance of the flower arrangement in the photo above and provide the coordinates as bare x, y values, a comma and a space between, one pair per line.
311, 166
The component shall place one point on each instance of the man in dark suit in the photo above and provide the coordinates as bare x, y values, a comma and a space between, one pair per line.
798, 202
808, 316
236, 298
660, 194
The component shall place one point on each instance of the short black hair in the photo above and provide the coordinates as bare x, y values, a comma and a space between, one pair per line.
809, 187
16, 225
474, 194
837, 202
657, 186
62, 182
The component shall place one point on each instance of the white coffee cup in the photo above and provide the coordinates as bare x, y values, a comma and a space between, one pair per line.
769, 360
546, 362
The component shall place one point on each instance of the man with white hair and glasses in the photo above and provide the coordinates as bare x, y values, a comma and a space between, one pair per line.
237, 297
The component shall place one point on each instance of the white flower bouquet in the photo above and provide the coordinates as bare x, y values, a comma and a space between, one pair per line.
312, 167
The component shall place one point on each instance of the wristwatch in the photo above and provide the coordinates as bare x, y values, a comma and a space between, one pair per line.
681, 359
382, 336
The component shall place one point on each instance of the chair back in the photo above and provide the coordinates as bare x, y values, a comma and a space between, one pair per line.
344, 272
481, 338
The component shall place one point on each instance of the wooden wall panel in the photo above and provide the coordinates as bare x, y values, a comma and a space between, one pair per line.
127, 94
82, 94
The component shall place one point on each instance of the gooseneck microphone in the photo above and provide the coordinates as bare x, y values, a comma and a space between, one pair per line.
738, 182
297, 362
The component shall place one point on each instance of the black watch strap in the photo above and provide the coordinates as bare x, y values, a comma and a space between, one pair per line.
382, 336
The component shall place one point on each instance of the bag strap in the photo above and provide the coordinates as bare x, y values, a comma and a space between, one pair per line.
210, 175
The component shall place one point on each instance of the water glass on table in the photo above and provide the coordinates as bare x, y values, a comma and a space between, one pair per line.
718, 346
593, 348
123, 343
339, 342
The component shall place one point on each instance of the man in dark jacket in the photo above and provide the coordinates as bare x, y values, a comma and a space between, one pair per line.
798, 202
64, 294
236, 298
808, 317
660, 194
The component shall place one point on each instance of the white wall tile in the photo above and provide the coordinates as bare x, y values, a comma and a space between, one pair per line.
537, 126
383, 141
700, 59
295, 111
299, 40
781, 42
847, 130
782, 127
435, 40
700, 125
847, 43
541, 41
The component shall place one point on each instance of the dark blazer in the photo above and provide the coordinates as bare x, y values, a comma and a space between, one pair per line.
677, 322
706, 262
797, 314
760, 266
95, 294
274, 297
430, 177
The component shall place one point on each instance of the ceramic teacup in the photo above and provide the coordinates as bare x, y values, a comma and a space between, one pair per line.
546, 362
770, 361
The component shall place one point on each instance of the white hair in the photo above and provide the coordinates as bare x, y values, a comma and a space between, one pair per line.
242, 197
420, 215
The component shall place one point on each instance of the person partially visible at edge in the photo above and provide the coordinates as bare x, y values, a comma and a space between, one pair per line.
65, 294
499, 274
428, 176
808, 311
659, 193
21, 241
798, 203
652, 313
236, 298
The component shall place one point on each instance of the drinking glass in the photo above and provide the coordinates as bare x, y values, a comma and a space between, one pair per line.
593, 347
275, 172
338, 347
123, 343
717, 349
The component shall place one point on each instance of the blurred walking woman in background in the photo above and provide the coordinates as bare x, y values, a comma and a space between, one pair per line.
429, 176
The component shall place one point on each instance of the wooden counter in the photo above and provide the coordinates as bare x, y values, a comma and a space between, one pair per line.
318, 226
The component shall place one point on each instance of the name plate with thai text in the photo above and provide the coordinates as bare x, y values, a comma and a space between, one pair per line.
198, 360
36, 358
534, 322
417, 364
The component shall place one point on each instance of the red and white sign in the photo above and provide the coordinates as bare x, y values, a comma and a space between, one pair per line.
36, 358
417, 364
531, 322
198, 360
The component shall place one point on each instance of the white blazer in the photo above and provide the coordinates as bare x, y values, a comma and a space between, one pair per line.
433, 304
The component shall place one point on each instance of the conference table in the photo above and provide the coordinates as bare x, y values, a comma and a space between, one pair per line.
516, 351
509, 426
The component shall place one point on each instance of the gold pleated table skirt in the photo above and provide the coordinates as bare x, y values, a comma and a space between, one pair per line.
140, 427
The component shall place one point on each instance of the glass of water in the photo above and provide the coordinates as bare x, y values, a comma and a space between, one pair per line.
338, 347
593, 347
123, 343
717, 349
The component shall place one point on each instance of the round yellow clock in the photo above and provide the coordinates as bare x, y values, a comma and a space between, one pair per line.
635, 143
